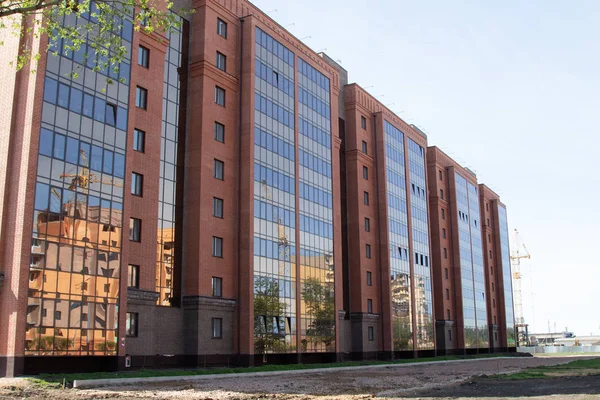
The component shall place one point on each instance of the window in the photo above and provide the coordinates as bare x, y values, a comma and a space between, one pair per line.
217, 328
217, 247
487, 207
219, 169
491, 270
131, 325
110, 114
445, 253
57, 315
490, 254
221, 28
220, 96
366, 198
488, 222
221, 61
370, 306
367, 225
492, 286
219, 132
137, 183
133, 276
364, 147
494, 303
369, 279
371, 333
448, 314
217, 286
495, 332
449, 334
368, 250
444, 233
441, 176
489, 238
217, 207
447, 294
443, 214
135, 229
363, 122
139, 140
442, 194
445, 273
365, 172
141, 97
143, 57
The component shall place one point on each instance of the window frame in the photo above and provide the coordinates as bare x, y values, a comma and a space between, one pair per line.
369, 278
370, 306
132, 236
368, 251
221, 61
133, 274
137, 134
219, 128
217, 286
221, 28
365, 148
221, 165
217, 240
218, 91
218, 201
141, 98
367, 224
137, 184
363, 122
371, 333
366, 199
132, 322
219, 335
365, 172
144, 57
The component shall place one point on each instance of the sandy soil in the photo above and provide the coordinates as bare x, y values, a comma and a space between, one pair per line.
446, 380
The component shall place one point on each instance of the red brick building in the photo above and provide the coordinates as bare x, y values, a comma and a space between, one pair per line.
228, 200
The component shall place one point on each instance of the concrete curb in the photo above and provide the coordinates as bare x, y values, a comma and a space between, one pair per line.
94, 383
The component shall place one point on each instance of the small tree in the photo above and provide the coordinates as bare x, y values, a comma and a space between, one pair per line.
267, 305
97, 26
320, 306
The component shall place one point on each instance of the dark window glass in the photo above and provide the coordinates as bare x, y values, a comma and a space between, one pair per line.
219, 132
46, 137
88, 105
371, 333
444, 233
76, 100
135, 229
217, 328
139, 140
369, 306
99, 109
111, 114
131, 324
369, 279
366, 198
445, 273
63, 95
217, 247
137, 184
219, 169
441, 176
217, 207
364, 147
50, 88
443, 214
367, 225
133, 276
363, 122
447, 294
221, 61
365, 172
217, 286
143, 56
221, 28
220, 96
141, 97
445, 253
368, 250
442, 194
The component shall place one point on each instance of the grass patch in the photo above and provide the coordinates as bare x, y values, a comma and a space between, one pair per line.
55, 380
574, 368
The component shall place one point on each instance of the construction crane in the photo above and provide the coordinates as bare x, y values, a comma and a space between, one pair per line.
515, 260
283, 242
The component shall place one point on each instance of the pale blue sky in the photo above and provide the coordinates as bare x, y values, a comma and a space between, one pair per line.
509, 89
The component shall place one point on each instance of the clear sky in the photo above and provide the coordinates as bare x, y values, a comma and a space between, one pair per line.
510, 89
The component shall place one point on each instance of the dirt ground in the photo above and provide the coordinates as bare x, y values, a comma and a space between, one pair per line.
440, 380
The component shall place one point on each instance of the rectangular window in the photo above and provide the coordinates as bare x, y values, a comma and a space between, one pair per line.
58, 315
443, 214
370, 306
490, 254
489, 238
448, 314
110, 114
365, 172
369, 279
371, 333
444, 233
494, 303
221, 61
445, 273
135, 229
364, 147
139, 140
137, 183
442, 194
219, 170
141, 97
487, 207
368, 250
217, 328
143, 57
491, 270
449, 334
488, 222
447, 294
131, 324
221, 28
217, 247
217, 286
441, 176
363, 122
492, 286
220, 96
366, 198
367, 225
219, 132
217, 207
133, 276
445, 253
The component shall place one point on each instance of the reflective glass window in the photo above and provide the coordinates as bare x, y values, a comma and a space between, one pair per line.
221, 28
217, 246
139, 140
143, 56
141, 97
219, 132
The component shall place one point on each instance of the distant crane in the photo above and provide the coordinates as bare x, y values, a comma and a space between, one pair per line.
283, 242
515, 260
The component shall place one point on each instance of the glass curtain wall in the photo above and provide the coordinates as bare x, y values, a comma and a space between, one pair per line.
166, 240
398, 237
77, 225
316, 213
478, 268
420, 247
274, 198
507, 277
